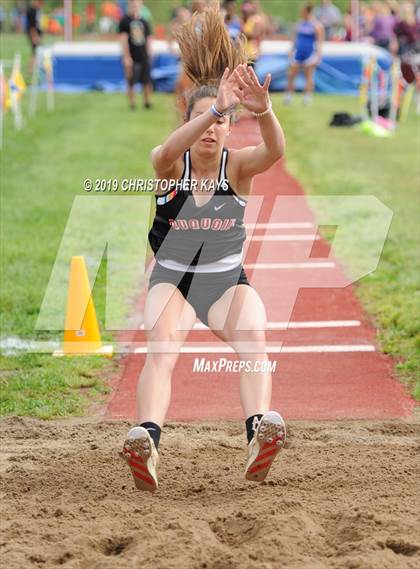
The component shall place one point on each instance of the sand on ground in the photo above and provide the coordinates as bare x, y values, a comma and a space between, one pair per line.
344, 495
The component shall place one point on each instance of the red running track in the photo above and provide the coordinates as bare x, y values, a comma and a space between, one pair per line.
330, 366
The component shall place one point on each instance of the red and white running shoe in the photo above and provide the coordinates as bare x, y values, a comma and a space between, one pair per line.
268, 440
142, 457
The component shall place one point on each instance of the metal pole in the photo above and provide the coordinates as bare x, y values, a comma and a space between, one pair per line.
2, 103
49, 74
355, 16
16, 108
34, 86
68, 17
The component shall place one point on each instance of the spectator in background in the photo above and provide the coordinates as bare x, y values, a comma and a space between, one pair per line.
407, 42
110, 16
134, 32
90, 17
198, 6
181, 15
33, 27
105, 21
18, 17
382, 30
144, 13
263, 20
252, 29
232, 21
405, 29
348, 21
306, 53
329, 16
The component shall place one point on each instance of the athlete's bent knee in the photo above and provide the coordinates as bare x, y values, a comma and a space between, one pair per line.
162, 363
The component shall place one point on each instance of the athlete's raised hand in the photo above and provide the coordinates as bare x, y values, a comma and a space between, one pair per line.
253, 96
229, 93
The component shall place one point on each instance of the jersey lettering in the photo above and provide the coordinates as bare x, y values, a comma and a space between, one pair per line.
205, 223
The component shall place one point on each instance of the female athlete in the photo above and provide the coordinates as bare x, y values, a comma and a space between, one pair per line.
306, 53
197, 237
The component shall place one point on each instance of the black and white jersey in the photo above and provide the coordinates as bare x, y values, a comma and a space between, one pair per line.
187, 234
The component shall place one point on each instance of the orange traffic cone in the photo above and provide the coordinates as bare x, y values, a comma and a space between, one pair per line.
81, 332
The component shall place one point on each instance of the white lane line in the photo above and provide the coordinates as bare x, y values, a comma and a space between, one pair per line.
334, 348
315, 324
297, 237
298, 325
282, 225
274, 266
328, 349
204, 350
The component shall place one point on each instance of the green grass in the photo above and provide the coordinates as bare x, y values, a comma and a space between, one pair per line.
45, 387
288, 11
343, 161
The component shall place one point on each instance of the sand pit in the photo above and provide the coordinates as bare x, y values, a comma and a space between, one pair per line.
343, 495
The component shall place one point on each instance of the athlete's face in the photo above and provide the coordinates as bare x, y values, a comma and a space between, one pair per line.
305, 13
213, 139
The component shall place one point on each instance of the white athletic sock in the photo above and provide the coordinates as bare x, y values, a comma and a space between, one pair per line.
307, 98
288, 98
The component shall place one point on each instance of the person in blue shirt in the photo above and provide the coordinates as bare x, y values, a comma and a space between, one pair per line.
306, 52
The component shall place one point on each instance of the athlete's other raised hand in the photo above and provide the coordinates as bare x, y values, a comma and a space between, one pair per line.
229, 93
253, 96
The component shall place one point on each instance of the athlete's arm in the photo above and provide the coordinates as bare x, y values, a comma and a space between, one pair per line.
165, 157
253, 160
124, 31
147, 34
128, 62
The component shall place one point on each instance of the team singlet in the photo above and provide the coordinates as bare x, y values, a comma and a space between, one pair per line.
189, 235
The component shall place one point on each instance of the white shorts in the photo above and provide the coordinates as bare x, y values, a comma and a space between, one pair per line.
311, 60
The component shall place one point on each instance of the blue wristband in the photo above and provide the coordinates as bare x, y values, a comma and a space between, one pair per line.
215, 112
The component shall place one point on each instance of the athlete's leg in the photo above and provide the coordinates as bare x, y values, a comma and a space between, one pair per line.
129, 75
131, 96
167, 319
244, 330
147, 94
309, 71
291, 76
146, 81
166, 310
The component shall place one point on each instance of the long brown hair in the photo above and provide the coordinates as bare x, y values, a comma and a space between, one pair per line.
206, 50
